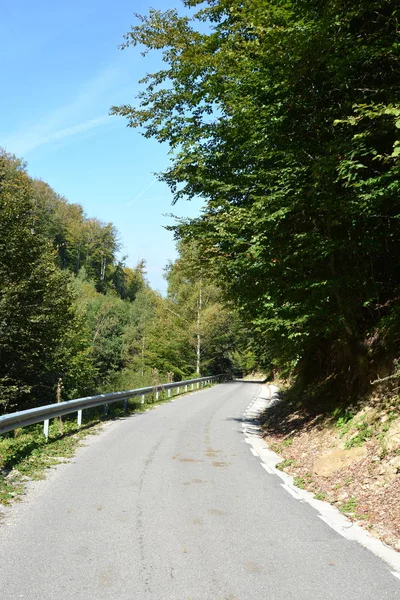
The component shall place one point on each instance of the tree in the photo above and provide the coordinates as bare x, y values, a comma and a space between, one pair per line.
79, 242
136, 336
128, 282
40, 332
213, 328
260, 108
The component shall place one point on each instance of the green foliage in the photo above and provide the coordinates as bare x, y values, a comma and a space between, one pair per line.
284, 118
299, 482
74, 320
364, 433
360, 429
211, 328
107, 317
126, 379
349, 506
244, 360
302, 482
40, 336
343, 420
285, 463
287, 443
320, 496
83, 243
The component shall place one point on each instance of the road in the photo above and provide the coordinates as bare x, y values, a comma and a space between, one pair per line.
172, 505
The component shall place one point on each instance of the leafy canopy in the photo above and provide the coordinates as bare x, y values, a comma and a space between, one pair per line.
283, 116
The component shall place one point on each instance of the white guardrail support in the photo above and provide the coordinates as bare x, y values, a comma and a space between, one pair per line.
43, 414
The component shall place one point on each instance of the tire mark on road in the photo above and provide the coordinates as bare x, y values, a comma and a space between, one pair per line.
146, 567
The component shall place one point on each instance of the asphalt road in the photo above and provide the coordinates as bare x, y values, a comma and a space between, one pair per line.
172, 505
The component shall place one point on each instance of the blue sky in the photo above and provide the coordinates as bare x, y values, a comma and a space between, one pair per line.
61, 72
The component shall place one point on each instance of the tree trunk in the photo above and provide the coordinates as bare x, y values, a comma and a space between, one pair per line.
59, 399
198, 333
142, 356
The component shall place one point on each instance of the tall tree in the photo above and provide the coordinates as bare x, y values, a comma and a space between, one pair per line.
283, 116
80, 242
41, 338
213, 328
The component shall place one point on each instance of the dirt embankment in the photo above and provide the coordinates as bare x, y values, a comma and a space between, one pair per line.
350, 458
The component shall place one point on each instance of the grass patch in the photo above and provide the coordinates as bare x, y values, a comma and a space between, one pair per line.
349, 506
299, 482
26, 454
287, 443
279, 446
364, 433
285, 463
320, 496
361, 517
343, 420
302, 482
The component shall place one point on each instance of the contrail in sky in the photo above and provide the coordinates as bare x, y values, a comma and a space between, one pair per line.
140, 194
64, 121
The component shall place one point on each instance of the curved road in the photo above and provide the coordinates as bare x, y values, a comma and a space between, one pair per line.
172, 505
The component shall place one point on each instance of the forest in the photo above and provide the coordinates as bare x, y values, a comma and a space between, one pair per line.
284, 117
75, 320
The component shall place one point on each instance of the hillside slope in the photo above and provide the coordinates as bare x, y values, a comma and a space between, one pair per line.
350, 458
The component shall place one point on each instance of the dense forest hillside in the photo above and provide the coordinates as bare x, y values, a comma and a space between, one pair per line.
285, 118
75, 320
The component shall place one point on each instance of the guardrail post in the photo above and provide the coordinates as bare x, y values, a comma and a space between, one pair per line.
46, 428
169, 393
105, 410
126, 404
79, 418
186, 388
178, 388
192, 386
198, 385
142, 402
157, 395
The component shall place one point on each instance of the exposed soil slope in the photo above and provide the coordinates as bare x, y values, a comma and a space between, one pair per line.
350, 459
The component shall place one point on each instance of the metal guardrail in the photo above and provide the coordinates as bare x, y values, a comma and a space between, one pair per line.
43, 414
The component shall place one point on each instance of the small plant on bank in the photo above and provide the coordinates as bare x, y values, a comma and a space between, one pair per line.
343, 420
276, 448
392, 416
365, 432
285, 463
299, 482
287, 443
361, 517
320, 496
279, 446
349, 506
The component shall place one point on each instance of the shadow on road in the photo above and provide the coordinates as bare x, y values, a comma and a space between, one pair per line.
249, 381
251, 425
